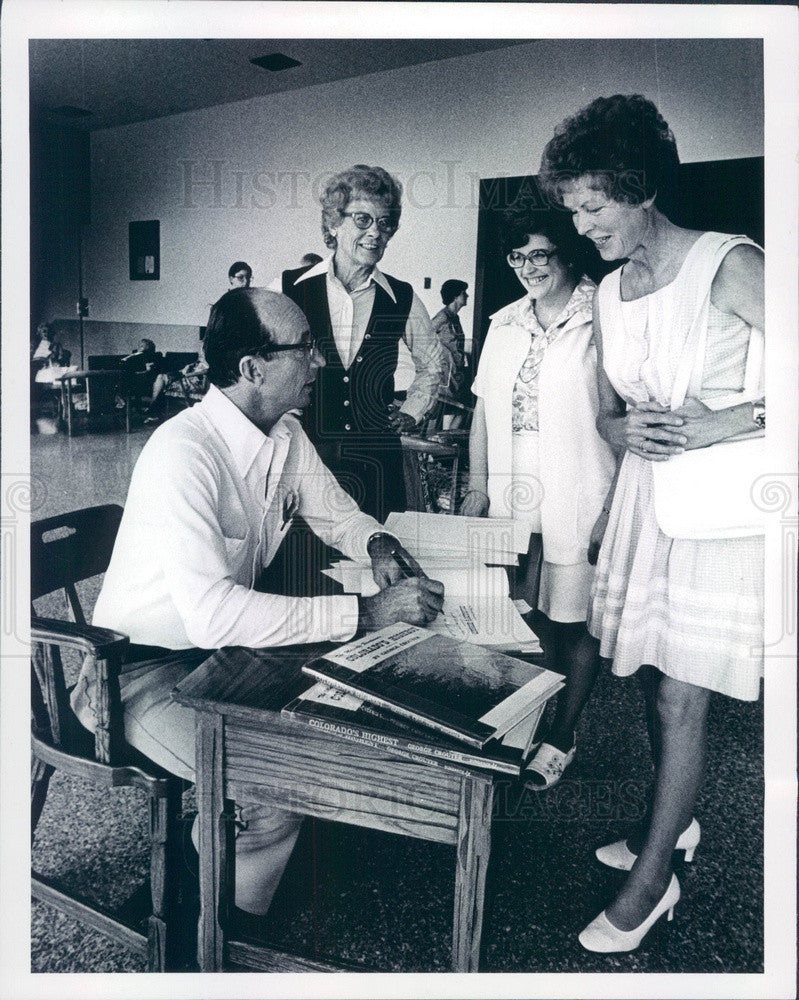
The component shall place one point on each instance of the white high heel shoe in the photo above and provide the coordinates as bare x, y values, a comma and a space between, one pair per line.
618, 855
601, 935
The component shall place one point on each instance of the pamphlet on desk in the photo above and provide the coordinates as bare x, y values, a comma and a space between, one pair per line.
468, 692
332, 710
468, 555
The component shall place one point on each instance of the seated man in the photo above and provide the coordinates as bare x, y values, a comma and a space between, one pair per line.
209, 503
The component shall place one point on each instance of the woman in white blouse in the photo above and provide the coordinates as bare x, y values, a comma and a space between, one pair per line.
535, 453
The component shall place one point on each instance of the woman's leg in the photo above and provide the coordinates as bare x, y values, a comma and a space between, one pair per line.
570, 650
680, 748
649, 680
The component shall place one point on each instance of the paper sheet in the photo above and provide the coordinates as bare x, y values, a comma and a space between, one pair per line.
488, 622
486, 539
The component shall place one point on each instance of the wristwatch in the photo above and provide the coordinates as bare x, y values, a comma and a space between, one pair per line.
374, 537
759, 413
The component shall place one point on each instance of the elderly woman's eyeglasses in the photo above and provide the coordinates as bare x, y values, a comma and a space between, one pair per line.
363, 220
540, 258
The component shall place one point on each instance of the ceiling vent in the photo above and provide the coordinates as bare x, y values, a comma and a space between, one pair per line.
275, 62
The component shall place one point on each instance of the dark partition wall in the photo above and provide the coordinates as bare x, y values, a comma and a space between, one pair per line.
721, 195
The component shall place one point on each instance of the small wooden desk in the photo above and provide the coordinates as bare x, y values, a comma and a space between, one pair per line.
246, 751
105, 378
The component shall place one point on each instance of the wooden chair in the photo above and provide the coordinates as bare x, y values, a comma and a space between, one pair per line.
65, 550
430, 469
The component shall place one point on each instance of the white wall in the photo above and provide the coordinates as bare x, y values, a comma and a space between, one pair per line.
437, 126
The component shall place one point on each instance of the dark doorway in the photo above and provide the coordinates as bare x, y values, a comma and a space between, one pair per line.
721, 195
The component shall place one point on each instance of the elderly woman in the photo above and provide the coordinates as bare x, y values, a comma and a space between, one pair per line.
535, 453
685, 615
358, 315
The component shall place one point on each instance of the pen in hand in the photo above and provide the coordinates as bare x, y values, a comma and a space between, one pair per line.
408, 572
405, 568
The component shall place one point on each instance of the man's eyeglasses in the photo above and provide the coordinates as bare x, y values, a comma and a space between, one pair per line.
540, 258
307, 346
363, 220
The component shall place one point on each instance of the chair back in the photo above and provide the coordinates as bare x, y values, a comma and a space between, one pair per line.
68, 548
65, 550
104, 362
175, 360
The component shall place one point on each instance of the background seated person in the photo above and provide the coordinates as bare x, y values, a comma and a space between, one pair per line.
141, 371
210, 501
40, 344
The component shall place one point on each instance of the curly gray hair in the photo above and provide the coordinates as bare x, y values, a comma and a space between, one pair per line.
370, 182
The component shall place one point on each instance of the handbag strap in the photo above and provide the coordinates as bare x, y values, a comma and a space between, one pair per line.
690, 368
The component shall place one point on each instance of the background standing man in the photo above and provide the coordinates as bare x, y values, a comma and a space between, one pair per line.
450, 334
239, 274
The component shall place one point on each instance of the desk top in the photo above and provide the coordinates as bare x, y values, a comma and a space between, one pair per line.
247, 683
251, 686
87, 374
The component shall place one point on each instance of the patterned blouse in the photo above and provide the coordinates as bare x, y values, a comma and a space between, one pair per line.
525, 389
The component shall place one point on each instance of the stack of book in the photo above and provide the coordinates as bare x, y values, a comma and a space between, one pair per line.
469, 555
423, 695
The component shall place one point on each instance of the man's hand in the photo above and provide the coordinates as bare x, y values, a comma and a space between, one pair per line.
385, 568
416, 601
402, 423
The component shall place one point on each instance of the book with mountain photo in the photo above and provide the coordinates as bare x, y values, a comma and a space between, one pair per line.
332, 710
470, 693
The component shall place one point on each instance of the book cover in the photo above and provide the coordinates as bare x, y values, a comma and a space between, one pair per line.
469, 692
332, 710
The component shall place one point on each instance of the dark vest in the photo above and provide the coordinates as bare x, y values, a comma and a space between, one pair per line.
346, 419
352, 401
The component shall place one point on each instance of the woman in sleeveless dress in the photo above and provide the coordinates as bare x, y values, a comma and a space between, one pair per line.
685, 615
535, 454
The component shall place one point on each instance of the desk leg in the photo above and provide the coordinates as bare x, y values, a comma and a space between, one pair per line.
216, 843
473, 849
68, 397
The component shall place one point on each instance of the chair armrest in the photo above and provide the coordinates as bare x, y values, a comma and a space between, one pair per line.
100, 642
428, 446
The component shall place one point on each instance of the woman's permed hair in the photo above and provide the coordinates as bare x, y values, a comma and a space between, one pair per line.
622, 143
527, 217
358, 181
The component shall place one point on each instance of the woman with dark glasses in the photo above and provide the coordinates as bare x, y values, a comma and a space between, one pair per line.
360, 315
535, 454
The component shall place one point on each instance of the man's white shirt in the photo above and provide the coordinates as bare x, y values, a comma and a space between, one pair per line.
206, 510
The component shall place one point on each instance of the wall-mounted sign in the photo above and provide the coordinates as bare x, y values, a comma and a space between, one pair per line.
144, 247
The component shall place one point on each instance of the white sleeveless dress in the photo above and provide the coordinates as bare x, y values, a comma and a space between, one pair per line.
693, 609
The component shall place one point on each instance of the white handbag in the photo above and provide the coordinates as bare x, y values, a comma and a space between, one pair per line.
712, 492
